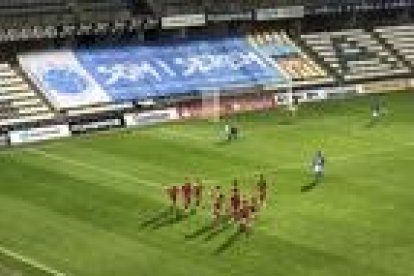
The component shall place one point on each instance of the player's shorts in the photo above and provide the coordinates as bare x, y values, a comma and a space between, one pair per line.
375, 114
187, 202
318, 169
235, 213
244, 221
293, 108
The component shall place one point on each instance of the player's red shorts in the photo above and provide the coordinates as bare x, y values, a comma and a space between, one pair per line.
244, 218
216, 212
235, 212
187, 201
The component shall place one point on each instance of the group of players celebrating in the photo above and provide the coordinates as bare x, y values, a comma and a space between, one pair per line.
233, 207
236, 207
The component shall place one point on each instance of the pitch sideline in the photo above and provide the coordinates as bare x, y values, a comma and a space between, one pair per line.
30, 262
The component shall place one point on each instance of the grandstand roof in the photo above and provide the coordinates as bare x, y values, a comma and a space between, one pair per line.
41, 12
173, 7
163, 7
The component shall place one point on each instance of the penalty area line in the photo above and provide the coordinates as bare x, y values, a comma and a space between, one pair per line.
29, 262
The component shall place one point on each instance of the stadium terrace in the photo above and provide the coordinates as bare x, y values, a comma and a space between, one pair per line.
206, 137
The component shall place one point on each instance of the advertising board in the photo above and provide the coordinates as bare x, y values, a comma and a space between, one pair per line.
150, 117
38, 134
95, 125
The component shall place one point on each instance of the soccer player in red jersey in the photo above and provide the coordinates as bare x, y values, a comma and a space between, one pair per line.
254, 206
215, 193
262, 187
217, 209
235, 201
235, 183
245, 213
173, 194
198, 192
186, 191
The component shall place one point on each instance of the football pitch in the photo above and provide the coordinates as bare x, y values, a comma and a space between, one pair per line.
96, 205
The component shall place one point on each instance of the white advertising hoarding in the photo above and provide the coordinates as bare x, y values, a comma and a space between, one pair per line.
38, 134
151, 117
188, 20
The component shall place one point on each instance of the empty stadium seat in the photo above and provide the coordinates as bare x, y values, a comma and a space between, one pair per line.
354, 54
18, 102
401, 38
287, 56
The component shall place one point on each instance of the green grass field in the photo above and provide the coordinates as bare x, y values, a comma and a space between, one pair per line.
79, 205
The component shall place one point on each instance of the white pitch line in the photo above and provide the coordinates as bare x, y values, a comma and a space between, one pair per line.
347, 157
117, 174
30, 262
173, 133
97, 169
294, 165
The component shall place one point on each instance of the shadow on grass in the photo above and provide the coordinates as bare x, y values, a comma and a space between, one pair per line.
235, 237
171, 221
223, 142
309, 187
372, 124
161, 215
217, 231
199, 232
285, 122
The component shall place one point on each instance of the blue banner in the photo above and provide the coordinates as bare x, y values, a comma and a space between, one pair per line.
90, 76
150, 71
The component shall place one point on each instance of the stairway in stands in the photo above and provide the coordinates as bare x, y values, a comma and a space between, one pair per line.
300, 42
19, 103
278, 47
355, 54
400, 39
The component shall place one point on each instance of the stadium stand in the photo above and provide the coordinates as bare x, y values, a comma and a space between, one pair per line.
176, 7
96, 73
400, 38
19, 103
355, 54
235, 6
102, 10
87, 77
25, 20
33, 12
278, 46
